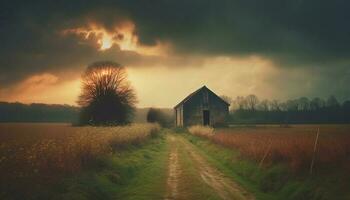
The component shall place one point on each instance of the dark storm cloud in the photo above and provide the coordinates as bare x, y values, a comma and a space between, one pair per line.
309, 31
31, 39
291, 33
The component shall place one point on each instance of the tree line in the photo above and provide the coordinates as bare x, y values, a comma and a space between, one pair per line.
250, 109
37, 112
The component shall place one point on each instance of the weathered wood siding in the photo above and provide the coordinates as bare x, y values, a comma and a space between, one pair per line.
204, 100
179, 116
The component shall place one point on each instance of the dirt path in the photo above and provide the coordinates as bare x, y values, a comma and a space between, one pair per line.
190, 176
174, 171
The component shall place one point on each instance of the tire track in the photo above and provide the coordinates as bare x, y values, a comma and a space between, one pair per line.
173, 173
224, 187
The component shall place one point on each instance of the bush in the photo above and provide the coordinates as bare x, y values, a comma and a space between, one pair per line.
155, 115
203, 131
106, 97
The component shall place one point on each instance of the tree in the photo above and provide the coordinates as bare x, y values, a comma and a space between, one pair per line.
227, 99
155, 115
283, 106
316, 103
264, 105
292, 105
106, 96
346, 105
252, 101
332, 102
241, 102
303, 104
274, 105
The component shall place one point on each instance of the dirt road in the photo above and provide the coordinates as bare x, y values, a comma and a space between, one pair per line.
190, 176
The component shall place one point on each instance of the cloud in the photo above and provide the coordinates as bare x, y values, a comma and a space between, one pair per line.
44, 88
165, 87
308, 38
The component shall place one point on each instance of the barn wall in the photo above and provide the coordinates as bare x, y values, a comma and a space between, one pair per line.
179, 116
218, 110
193, 110
204, 100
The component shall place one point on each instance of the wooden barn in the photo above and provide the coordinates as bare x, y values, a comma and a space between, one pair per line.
202, 107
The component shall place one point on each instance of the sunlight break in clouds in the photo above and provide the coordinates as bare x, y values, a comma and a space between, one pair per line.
123, 35
43, 88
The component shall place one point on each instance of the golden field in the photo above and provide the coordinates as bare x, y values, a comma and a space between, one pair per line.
45, 151
293, 146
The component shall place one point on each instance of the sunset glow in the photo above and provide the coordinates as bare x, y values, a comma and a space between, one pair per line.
43, 88
122, 35
168, 54
105, 42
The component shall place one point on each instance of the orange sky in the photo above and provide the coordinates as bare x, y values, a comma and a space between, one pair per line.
243, 50
161, 84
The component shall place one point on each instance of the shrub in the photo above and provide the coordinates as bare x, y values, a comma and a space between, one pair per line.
106, 96
203, 131
155, 115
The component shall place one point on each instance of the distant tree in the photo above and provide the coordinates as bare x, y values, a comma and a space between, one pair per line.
264, 105
292, 105
293, 111
155, 115
252, 101
283, 106
275, 105
106, 96
316, 103
241, 102
346, 105
228, 100
303, 104
332, 102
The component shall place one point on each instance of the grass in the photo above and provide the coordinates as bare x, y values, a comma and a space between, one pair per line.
135, 173
238, 152
34, 156
291, 146
202, 131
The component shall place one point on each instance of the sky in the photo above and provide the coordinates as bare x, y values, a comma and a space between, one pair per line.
276, 49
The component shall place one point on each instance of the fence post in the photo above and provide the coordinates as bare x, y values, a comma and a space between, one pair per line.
265, 155
314, 153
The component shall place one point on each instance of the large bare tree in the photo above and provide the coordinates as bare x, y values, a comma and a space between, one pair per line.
107, 96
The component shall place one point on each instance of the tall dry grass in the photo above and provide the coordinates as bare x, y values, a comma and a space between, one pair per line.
41, 152
292, 146
203, 131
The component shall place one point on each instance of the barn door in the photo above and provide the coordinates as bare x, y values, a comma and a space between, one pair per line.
206, 117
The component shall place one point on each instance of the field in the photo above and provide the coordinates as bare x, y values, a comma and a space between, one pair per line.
284, 160
42, 153
143, 161
293, 146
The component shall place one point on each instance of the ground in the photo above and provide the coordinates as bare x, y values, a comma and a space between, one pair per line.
166, 167
191, 176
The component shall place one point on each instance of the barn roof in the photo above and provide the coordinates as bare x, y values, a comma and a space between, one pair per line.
195, 92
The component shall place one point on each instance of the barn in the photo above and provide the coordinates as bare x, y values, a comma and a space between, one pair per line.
202, 107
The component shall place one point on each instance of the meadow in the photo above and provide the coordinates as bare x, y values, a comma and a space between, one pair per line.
277, 160
293, 146
38, 154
